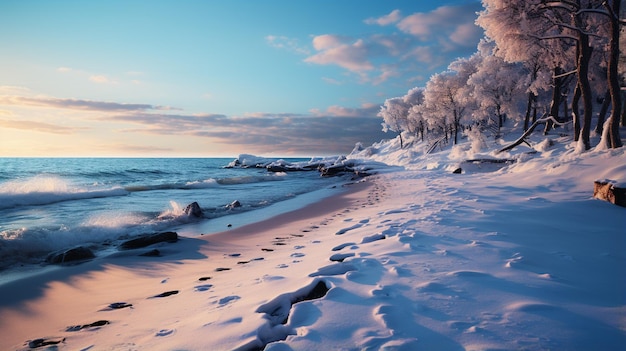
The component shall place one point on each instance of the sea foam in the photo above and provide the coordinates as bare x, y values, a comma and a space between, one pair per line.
43, 190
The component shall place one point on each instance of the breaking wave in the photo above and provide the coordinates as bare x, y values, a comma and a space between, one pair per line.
44, 190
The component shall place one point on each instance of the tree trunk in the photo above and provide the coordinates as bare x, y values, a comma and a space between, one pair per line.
456, 126
529, 105
556, 98
582, 71
623, 94
602, 114
613, 77
576, 112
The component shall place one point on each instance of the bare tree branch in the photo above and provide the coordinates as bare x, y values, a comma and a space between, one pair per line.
564, 74
522, 139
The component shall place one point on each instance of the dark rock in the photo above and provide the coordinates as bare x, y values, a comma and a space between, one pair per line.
329, 171
234, 204
458, 171
151, 253
75, 254
193, 210
607, 191
150, 239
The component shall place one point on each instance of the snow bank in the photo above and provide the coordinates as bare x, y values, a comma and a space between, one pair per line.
516, 257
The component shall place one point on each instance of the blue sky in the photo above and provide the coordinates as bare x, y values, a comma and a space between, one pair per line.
215, 78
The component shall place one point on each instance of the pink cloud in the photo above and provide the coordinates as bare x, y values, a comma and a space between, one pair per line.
333, 51
386, 20
453, 22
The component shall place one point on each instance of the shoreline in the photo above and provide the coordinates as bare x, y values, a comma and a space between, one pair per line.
42, 304
352, 191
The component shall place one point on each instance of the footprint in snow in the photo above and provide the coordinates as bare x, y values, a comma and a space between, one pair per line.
165, 294
228, 299
165, 332
203, 287
117, 306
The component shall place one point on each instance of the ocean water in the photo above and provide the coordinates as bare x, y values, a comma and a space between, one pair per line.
48, 204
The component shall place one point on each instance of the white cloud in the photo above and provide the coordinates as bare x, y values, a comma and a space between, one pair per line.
100, 79
443, 22
352, 56
386, 20
286, 43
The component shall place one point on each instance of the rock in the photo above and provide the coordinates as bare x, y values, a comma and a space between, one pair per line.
193, 210
76, 254
458, 171
606, 190
334, 170
149, 239
234, 204
151, 253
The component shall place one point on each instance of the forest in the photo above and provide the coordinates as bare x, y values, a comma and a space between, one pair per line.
541, 62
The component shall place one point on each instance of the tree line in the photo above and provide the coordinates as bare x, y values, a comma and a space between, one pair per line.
539, 58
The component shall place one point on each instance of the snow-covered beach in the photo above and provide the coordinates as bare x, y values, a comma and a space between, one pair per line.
508, 257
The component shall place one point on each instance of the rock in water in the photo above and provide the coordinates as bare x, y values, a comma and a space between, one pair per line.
193, 210
75, 254
234, 204
150, 239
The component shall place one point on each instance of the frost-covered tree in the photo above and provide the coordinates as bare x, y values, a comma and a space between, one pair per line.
498, 86
394, 113
565, 33
415, 122
517, 28
447, 97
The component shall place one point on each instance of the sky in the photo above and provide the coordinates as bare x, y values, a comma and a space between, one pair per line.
212, 78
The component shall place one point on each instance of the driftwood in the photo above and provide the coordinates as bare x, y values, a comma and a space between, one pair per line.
522, 139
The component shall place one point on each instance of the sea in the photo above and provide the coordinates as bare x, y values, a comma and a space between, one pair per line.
50, 204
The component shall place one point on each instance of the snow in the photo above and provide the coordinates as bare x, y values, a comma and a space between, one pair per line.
509, 256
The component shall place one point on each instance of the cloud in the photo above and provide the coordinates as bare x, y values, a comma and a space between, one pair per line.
336, 50
433, 38
386, 20
334, 131
37, 126
332, 81
367, 109
445, 23
101, 79
286, 43
76, 104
